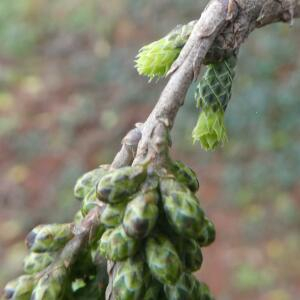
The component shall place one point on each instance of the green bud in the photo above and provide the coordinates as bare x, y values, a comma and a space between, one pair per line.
163, 260
129, 283
212, 95
116, 245
210, 130
154, 289
203, 291
141, 215
49, 238
185, 288
20, 288
88, 181
36, 262
112, 214
118, 185
157, 58
90, 201
52, 285
78, 217
190, 254
185, 175
182, 208
208, 234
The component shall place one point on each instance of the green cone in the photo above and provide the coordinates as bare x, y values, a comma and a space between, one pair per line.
113, 214
89, 202
116, 245
163, 260
185, 175
203, 292
20, 288
48, 238
129, 282
36, 262
190, 254
88, 181
208, 234
153, 290
118, 185
182, 208
212, 95
185, 288
156, 58
141, 215
78, 217
52, 285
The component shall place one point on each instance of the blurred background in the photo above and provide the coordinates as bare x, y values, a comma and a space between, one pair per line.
69, 92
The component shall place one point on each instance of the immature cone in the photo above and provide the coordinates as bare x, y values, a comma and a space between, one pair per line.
182, 208
88, 181
90, 201
118, 185
208, 234
52, 285
141, 215
185, 175
157, 58
212, 96
190, 254
49, 238
36, 262
112, 214
154, 289
116, 245
20, 288
129, 282
203, 291
185, 288
163, 260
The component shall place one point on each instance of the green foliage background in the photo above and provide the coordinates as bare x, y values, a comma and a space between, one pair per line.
69, 92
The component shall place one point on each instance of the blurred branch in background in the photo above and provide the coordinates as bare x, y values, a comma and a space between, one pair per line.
68, 93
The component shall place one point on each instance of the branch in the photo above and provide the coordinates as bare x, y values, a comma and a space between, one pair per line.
222, 28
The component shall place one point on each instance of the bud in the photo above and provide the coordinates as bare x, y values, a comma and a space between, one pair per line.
203, 291
52, 285
20, 288
163, 260
90, 201
212, 95
141, 215
185, 175
210, 130
153, 291
88, 181
208, 234
185, 288
157, 58
112, 214
182, 208
119, 184
190, 253
129, 283
78, 217
48, 238
36, 262
116, 245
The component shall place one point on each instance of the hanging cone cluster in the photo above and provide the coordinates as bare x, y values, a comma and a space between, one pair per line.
155, 229
47, 277
212, 96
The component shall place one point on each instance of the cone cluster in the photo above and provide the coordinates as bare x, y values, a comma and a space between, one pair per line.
212, 96
47, 277
154, 231
152, 226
